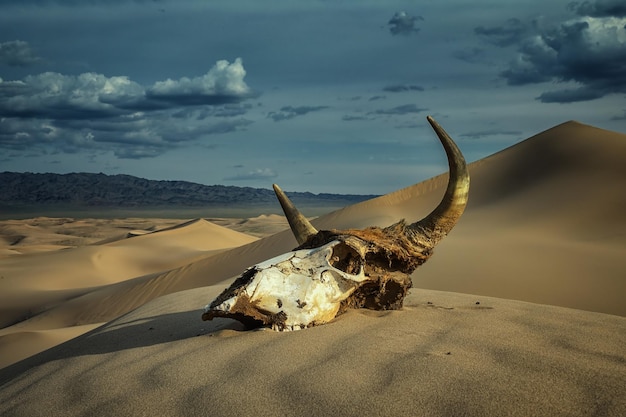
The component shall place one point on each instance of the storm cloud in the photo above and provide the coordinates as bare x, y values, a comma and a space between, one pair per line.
92, 111
587, 52
599, 8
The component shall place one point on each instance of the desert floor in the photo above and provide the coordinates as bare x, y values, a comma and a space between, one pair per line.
521, 310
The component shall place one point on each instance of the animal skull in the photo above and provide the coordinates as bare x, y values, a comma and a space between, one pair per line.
333, 270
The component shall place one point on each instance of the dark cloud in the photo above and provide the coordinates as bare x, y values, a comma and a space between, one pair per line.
572, 95
512, 32
588, 51
400, 110
136, 136
20, 136
401, 88
56, 96
17, 54
90, 95
402, 23
536, 62
91, 111
375, 98
599, 8
289, 112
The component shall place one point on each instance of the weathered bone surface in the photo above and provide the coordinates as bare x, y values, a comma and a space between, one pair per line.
333, 270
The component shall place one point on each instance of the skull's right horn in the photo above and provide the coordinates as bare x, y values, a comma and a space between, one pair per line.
434, 227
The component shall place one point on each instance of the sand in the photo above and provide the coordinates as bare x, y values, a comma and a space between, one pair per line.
520, 311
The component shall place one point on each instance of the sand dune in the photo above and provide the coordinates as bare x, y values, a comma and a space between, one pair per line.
59, 289
442, 355
260, 226
546, 224
41, 234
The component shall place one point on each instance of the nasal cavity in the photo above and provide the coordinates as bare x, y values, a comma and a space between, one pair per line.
346, 259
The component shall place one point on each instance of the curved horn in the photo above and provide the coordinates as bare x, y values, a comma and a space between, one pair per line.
438, 224
299, 224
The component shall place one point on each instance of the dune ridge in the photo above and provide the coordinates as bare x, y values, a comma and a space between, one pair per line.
539, 328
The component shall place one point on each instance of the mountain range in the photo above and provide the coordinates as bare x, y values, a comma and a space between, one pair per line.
27, 189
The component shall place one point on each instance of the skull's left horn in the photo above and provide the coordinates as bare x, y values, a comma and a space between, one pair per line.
299, 224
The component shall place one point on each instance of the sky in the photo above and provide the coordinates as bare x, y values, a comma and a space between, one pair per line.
326, 96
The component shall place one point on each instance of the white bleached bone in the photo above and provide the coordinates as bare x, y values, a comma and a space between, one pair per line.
303, 286
333, 270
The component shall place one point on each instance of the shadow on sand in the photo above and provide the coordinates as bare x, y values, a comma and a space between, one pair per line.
124, 334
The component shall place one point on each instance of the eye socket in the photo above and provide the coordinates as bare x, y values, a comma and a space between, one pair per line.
346, 259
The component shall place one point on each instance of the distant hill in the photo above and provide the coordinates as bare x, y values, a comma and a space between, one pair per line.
126, 191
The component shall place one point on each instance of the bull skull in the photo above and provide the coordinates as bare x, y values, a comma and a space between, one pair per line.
333, 270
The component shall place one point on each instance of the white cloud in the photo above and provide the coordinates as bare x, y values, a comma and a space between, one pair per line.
58, 96
54, 95
93, 111
223, 80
